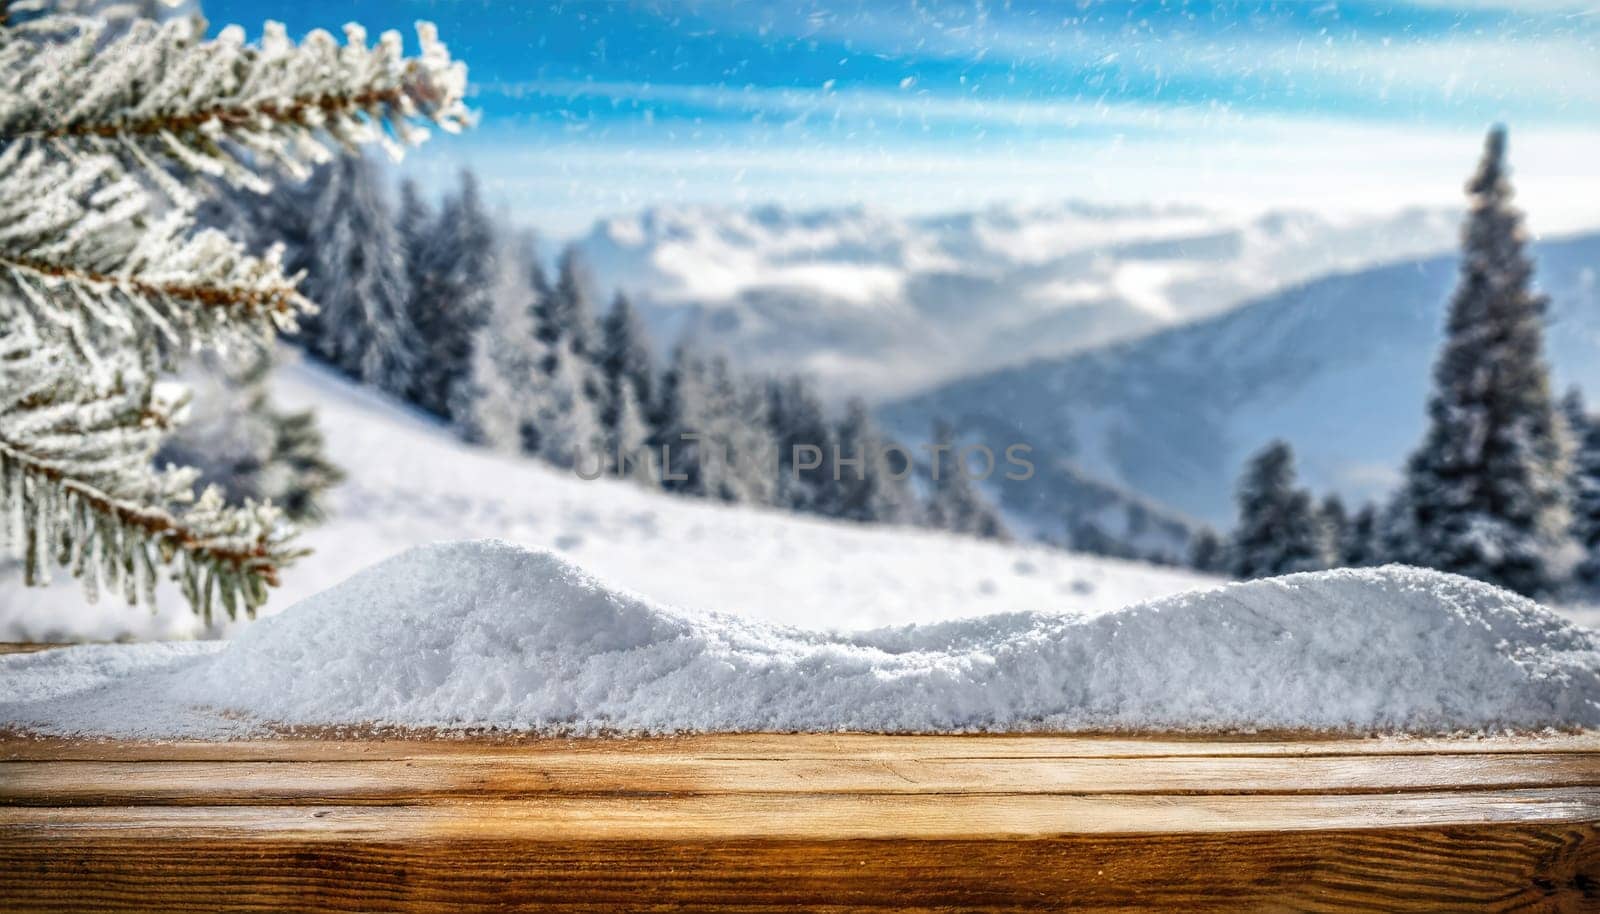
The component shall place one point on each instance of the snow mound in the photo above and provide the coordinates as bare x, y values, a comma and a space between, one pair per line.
487, 634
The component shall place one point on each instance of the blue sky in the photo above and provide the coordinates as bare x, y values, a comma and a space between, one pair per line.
596, 107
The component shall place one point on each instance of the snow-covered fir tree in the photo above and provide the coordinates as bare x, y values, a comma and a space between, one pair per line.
742, 455
1575, 413
805, 442
108, 137
356, 273
682, 417
625, 360
1208, 552
1362, 545
507, 361
1334, 519
297, 473
452, 279
874, 480
566, 429
954, 503
1585, 430
246, 445
414, 226
1279, 530
566, 311
1485, 493
628, 442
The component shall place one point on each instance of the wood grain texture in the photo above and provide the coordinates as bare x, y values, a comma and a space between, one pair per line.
465, 777
1468, 868
365, 746
775, 822
360, 821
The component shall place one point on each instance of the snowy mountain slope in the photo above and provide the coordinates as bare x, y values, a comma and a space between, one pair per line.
412, 483
1340, 367
884, 306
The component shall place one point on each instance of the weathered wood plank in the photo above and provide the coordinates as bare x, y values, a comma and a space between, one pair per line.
454, 777
336, 745
1548, 868
828, 816
775, 822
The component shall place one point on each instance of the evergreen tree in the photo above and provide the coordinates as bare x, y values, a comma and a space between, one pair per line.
1396, 535
415, 228
1208, 553
566, 312
625, 360
954, 503
453, 278
539, 300
1585, 486
1362, 544
1485, 493
630, 454
1279, 531
681, 422
297, 472
1575, 412
873, 484
248, 447
1335, 530
565, 426
507, 363
741, 453
104, 281
805, 446
357, 274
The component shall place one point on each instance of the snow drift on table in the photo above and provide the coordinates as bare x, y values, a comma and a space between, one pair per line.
487, 634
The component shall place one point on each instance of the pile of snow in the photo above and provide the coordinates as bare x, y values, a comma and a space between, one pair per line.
488, 634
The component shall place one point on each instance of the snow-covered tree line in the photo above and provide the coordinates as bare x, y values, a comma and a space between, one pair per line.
440, 305
1505, 486
111, 131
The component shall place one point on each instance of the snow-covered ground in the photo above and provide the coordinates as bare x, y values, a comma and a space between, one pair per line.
720, 618
488, 634
412, 483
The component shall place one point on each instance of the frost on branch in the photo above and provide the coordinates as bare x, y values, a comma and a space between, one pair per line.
84, 257
104, 280
81, 491
153, 96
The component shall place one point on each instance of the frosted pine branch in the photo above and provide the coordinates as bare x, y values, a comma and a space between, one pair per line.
155, 97
81, 492
81, 257
102, 280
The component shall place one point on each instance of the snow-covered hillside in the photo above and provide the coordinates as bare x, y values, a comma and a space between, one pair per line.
1340, 367
884, 305
411, 483
487, 634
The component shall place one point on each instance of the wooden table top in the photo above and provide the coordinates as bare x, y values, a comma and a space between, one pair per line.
348, 822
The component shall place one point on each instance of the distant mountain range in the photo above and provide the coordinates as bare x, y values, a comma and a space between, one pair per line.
887, 306
1339, 366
